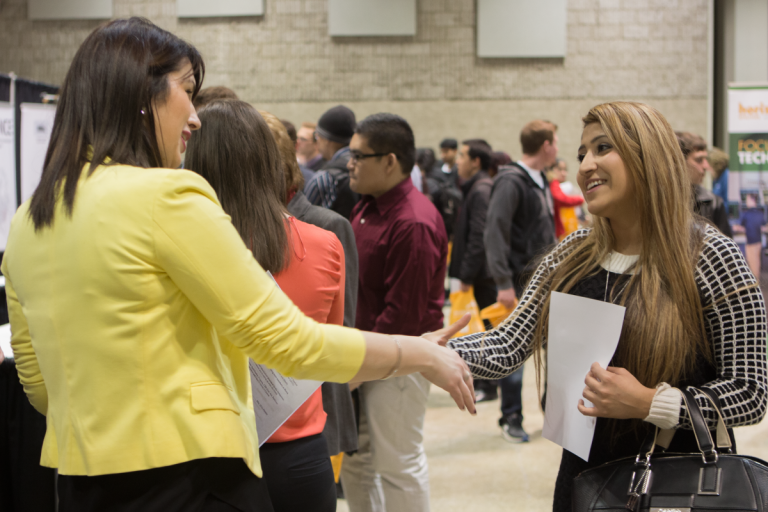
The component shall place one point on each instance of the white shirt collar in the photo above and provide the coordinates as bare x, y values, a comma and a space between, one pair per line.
533, 173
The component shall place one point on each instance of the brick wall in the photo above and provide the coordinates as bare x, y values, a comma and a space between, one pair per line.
649, 50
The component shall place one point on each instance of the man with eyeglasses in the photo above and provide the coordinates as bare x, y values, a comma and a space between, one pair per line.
402, 249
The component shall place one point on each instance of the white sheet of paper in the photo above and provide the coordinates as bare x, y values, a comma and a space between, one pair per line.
275, 397
7, 170
36, 127
581, 332
5, 341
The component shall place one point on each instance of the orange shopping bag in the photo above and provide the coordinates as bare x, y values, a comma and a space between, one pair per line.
496, 313
336, 461
569, 219
461, 304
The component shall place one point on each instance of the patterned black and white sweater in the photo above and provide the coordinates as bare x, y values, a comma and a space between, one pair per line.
735, 319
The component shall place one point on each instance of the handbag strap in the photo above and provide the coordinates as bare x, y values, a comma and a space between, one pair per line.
724, 442
723, 439
663, 438
700, 429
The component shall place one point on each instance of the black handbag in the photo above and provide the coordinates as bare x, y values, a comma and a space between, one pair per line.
713, 480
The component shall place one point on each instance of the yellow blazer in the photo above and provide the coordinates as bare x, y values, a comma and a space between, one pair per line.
115, 313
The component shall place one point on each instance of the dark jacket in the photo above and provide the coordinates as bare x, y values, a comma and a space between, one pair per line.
346, 199
437, 174
468, 261
520, 226
445, 194
340, 426
712, 208
316, 165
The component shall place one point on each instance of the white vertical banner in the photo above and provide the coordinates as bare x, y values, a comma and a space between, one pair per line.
7, 171
36, 127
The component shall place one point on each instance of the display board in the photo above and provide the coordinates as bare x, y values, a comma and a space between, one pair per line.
7, 171
36, 127
372, 17
69, 9
521, 29
219, 8
748, 144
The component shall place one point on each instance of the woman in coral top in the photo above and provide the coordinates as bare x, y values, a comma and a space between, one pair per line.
295, 460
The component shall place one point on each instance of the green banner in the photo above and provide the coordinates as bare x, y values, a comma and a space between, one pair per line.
748, 151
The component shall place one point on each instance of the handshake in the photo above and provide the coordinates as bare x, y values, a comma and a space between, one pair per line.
387, 356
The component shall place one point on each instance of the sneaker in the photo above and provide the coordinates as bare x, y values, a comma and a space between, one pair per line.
512, 429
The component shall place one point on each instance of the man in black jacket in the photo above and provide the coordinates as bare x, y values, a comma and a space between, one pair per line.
468, 261
520, 226
444, 189
708, 205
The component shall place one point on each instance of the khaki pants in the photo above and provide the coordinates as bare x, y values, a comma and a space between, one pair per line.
389, 472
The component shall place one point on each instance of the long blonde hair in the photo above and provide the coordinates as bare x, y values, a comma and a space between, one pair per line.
663, 329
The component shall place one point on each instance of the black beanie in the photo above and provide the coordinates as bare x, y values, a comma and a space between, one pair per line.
337, 124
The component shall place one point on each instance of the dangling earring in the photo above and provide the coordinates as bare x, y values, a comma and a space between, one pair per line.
142, 112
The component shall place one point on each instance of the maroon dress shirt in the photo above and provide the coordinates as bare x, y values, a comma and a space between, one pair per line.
402, 248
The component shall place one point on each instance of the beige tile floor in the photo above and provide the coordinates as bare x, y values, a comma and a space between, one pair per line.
472, 468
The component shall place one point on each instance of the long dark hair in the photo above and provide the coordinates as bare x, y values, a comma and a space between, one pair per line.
235, 151
119, 71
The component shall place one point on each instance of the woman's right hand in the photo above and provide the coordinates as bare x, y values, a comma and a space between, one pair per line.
441, 366
447, 370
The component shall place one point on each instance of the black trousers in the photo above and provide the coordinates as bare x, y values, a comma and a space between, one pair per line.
24, 483
299, 475
204, 485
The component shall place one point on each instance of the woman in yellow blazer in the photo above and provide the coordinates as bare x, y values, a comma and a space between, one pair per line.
135, 305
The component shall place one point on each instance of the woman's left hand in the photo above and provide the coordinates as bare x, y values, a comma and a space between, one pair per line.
442, 336
615, 393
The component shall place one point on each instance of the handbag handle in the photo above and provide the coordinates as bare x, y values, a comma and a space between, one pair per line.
700, 429
723, 439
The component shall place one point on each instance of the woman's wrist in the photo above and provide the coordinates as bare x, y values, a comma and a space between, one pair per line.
645, 402
665, 407
398, 363
418, 354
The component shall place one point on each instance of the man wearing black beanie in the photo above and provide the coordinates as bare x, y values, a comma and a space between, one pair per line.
330, 185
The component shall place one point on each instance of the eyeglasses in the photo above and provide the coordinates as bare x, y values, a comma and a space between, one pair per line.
354, 156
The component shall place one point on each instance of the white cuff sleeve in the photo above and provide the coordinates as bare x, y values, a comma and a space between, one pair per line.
665, 408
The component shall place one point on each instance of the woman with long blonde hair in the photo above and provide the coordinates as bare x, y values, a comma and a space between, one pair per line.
695, 315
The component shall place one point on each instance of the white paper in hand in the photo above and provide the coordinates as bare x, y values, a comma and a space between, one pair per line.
275, 397
581, 332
